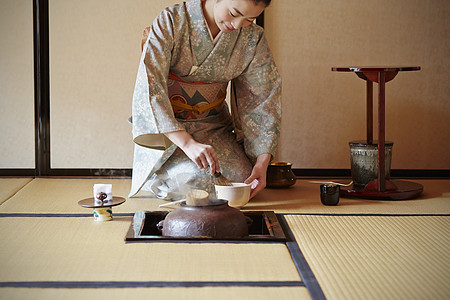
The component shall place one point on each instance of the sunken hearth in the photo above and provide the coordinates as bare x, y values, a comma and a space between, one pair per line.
265, 227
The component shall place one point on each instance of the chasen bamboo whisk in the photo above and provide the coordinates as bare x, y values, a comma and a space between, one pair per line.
219, 179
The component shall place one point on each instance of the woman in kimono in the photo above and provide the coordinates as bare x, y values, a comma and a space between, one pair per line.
182, 127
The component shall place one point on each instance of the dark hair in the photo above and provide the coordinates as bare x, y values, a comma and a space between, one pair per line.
266, 2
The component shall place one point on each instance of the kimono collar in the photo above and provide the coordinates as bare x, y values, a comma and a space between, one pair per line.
201, 42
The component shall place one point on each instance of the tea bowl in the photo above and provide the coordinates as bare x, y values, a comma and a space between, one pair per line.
237, 195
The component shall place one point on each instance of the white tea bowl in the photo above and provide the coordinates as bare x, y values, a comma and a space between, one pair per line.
237, 195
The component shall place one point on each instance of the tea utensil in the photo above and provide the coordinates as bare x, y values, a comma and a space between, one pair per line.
332, 182
172, 202
219, 179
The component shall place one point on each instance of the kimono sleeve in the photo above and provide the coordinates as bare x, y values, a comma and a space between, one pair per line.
256, 103
152, 112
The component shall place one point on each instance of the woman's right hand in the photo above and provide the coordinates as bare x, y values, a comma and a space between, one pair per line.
202, 155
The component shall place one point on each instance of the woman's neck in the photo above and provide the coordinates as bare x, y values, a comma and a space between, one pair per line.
208, 12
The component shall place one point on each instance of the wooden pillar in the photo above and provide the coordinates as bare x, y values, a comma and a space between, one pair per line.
381, 131
369, 111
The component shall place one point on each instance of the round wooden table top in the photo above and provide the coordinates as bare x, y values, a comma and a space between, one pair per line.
375, 69
90, 202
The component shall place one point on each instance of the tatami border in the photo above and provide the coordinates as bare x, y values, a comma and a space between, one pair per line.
55, 215
301, 264
145, 284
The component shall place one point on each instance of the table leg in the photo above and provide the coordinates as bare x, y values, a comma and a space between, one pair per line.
381, 131
369, 111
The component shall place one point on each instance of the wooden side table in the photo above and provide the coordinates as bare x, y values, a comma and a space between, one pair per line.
397, 190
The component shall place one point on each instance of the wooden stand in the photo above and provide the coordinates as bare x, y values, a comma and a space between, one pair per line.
104, 208
398, 190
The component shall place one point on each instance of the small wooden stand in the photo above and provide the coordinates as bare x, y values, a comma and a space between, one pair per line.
398, 190
105, 206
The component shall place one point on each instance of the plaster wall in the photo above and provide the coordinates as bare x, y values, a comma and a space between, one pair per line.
95, 49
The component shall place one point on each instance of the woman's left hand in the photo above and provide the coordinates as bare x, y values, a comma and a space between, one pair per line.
257, 178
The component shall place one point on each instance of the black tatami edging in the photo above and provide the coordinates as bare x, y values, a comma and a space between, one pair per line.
301, 264
56, 215
145, 284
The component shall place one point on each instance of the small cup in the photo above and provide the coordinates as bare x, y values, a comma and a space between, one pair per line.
329, 194
237, 195
102, 214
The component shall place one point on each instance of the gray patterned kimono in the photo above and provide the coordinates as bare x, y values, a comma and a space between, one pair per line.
179, 42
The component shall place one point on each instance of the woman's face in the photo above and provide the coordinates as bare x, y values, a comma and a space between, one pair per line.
234, 14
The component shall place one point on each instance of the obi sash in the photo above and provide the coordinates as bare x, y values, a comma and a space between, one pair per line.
194, 100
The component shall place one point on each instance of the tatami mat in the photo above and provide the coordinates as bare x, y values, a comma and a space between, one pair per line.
217, 293
352, 257
58, 195
304, 197
54, 195
356, 257
80, 249
10, 186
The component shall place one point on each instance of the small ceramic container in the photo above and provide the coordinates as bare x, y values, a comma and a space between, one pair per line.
237, 195
364, 161
102, 214
329, 194
280, 175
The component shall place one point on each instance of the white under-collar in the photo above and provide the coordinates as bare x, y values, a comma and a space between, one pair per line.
210, 34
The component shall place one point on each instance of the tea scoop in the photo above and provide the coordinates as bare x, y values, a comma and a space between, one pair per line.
172, 203
332, 182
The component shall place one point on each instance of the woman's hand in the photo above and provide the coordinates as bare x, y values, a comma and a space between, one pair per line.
202, 155
257, 178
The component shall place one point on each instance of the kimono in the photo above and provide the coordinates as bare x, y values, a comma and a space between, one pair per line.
180, 46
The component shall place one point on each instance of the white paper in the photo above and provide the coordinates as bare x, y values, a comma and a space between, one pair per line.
103, 188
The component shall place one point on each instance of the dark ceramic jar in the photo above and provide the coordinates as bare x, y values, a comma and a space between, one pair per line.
216, 220
280, 175
364, 161
329, 194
